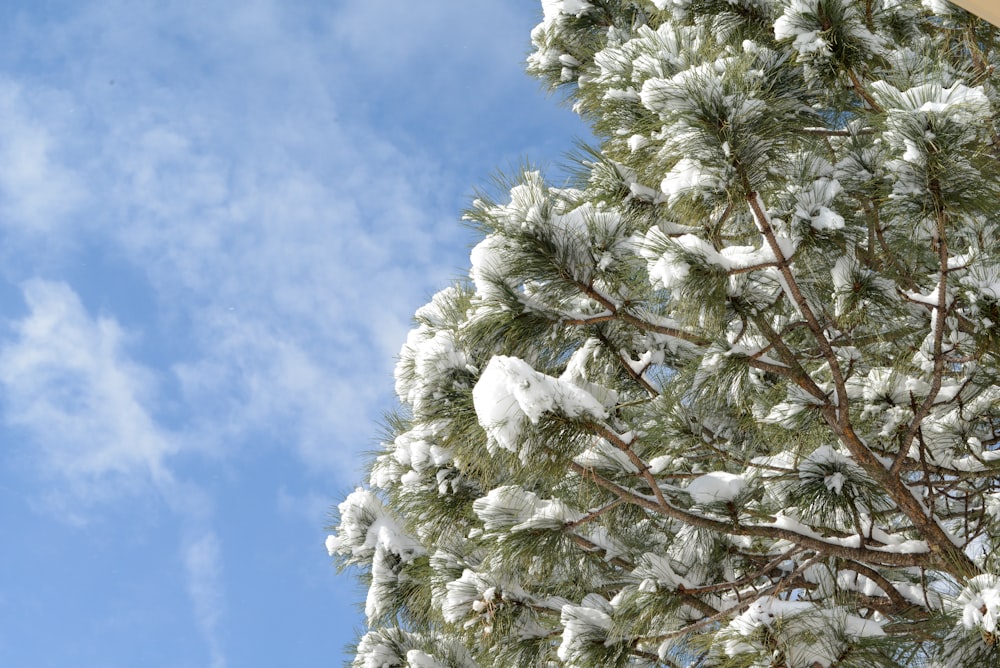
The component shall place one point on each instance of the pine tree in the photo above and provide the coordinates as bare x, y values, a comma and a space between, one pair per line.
732, 396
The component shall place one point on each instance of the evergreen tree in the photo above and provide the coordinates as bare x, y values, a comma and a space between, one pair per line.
733, 397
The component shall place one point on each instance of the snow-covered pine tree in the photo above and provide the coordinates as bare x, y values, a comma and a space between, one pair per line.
733, 398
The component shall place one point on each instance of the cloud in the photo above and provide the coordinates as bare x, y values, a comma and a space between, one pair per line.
68, 383
36, 190
280, 183
203, 569
284, 239
83, 405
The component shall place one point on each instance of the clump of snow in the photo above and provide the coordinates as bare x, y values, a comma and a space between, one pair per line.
583, 625
801, 23
940, 7
784, 412
909, 112
835, 482
885, 386
365, 526
662, 463
368, 534
637, 142
554, 217
418, 659
847, 273
813, 205
514, 509
833, 467
510, 391
656, 570
715, 487
489, 258
376, 651
576, 372
415, 452
979, 602
686, 176
471, 593
669, 259
808, 634
553, 9
546, 36
805, 35
431, 355
603, 455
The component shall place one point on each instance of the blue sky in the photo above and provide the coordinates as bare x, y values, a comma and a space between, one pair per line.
216, 219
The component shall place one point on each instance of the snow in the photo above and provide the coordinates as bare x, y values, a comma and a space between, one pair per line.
657, 570
365, 525
715, 487
800, 23
510, 391
661, 463
813, 204
941, 7
375, 652
918, 595
602, 538
829, 631
670, 269
462, 595
849, 580
636, 142
488, 262
806, 42
783, 521
431, 354
417, 659
984, 281
826, 455
929, 299
979, 602
368, 534
688, 175
513, 508
583, 625
911, 546
883, 385
835, 482
553, 9
415, 450
576, 372
784, 412
603, 455
644, 360
730, 258
962, 107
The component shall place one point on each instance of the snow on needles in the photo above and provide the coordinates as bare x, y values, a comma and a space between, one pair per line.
715, 486
809, 635
515, 509
509, 391
979, 603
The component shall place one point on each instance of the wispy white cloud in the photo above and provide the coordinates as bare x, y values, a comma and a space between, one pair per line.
290, 235
202, 556
68, 382
248, 164
37, 192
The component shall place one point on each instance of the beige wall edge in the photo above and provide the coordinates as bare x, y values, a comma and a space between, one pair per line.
988, 9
